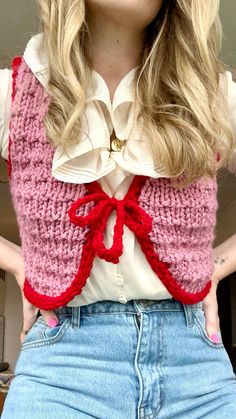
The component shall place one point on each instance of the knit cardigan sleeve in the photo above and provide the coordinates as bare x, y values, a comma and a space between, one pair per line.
5, 105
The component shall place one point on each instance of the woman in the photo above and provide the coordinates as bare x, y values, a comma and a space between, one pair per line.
117, 130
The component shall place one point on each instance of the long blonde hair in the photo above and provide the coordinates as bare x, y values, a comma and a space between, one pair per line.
177, 84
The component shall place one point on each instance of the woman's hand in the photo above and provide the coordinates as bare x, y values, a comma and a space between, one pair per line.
30, 312
224, 264
210, 307
11, 260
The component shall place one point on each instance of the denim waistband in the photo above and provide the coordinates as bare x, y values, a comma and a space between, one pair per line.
131, 307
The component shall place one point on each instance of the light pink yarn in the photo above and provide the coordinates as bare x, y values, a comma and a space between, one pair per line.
183, 228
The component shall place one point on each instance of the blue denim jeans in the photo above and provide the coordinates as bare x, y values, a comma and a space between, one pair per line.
140, 360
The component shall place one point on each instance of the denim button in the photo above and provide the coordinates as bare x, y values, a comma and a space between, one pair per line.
146, 303
143, 303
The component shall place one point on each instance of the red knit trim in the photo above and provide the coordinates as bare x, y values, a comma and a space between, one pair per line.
45, 302
16, 62
89, 250
162, 270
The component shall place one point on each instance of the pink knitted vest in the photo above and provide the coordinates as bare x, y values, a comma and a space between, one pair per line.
62, 224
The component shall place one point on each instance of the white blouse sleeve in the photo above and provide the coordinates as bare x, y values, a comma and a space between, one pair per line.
5, 106
229, 88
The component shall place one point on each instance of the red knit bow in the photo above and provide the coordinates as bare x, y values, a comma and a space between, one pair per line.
128, 212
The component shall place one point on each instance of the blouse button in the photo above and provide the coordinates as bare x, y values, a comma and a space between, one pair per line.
119, 280
119, 196
122, 299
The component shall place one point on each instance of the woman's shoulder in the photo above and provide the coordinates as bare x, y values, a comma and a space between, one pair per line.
5, 75
34, 53
227, 86
36, 58
5, 105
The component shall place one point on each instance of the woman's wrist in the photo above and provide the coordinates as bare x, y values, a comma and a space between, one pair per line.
224, 258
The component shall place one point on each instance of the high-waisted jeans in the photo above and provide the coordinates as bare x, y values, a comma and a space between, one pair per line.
140, 360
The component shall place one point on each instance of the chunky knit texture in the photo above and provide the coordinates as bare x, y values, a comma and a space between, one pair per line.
62, 224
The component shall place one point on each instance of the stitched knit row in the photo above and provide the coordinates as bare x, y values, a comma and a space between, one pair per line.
183, 228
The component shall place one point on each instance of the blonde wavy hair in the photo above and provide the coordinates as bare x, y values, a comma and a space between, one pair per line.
177, 84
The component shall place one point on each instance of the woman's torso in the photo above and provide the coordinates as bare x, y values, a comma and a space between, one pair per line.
132, 277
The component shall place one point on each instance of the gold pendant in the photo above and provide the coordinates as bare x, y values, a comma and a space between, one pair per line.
117, 145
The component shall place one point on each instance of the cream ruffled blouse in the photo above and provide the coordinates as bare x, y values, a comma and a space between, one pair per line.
90, 159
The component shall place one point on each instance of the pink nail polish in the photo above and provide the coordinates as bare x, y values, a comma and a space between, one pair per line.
215, 337
52, 322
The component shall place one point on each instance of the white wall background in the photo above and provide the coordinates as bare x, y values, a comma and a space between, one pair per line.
17, 22
228, 18
2, 297
13, 321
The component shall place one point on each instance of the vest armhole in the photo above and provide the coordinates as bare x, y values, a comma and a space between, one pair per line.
16, 62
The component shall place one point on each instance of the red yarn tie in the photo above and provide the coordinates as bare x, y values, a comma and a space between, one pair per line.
128, 212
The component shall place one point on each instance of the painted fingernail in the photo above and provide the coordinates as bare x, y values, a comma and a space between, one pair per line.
52, 322
216, 337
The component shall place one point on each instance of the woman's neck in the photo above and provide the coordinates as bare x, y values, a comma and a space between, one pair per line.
113, 50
